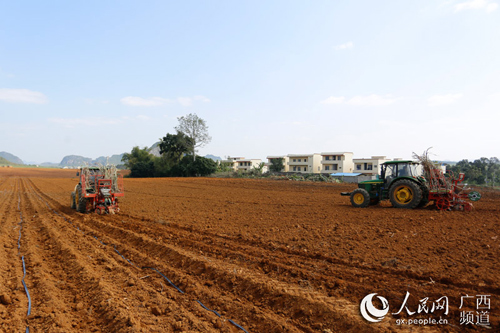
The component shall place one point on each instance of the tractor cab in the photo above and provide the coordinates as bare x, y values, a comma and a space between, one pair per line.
399, 169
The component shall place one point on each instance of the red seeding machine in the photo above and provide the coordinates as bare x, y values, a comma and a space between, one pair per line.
448, 193
98, 190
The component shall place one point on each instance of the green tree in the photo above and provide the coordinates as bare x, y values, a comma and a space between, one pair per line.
277, 164
175, 146
196, 129
142, 169
135, 156
480, 171
188, 168
202, 166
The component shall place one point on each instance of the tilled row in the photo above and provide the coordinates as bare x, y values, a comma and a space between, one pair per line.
113, 292
263, 303
339, 284
163, 311
263, 285
12, 292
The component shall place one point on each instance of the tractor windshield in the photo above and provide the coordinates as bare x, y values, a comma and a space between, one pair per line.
403, 170
409, 170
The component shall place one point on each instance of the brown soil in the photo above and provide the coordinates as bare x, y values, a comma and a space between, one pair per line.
270, 256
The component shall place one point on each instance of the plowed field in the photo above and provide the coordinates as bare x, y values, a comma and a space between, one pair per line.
235, 255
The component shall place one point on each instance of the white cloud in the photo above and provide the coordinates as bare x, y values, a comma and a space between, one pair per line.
185, 101
22, 96
345, 46
488, 5
201, 98
143, 117
369, 100
139, 101
438, 100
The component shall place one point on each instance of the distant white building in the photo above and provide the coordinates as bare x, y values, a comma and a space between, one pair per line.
336, 162
248, 164
304, 163
369, 166
233, 162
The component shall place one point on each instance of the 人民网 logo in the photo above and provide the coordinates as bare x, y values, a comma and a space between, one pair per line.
370, 312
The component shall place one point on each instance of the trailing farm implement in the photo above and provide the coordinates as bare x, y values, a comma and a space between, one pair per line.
98, 190
410, 184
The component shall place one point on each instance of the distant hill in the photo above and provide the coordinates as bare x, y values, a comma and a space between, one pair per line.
447, 162
11, 158
114, 159
75, 161
155, 149
49, 164
215, 158
4, 161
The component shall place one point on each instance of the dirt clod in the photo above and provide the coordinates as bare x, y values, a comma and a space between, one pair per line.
5, 299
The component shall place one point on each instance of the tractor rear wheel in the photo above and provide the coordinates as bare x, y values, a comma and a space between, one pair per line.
425, 196
82, 201
360, 198
405, 193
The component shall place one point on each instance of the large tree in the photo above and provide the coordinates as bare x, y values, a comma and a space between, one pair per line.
139, 162
196, 129
135, 156
175, 146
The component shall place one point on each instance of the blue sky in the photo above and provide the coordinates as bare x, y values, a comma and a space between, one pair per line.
95, 78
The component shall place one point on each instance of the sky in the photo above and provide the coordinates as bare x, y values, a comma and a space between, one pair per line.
96, 78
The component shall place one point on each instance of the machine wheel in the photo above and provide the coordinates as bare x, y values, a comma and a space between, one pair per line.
405, 194
81, 201
443, 204
73, 201
360, 198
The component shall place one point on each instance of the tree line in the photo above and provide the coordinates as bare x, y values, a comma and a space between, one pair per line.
483, 171
177, 153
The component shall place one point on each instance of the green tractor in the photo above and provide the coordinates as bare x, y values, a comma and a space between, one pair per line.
400, 181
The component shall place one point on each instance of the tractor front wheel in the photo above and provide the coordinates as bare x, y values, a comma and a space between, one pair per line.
405, 193
360, 198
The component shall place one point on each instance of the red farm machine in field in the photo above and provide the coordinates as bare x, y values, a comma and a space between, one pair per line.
98, 190
447, 191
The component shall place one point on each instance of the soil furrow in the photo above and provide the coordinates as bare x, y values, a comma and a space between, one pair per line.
12, 292
273, 256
